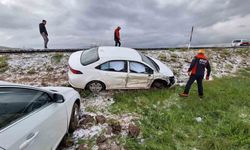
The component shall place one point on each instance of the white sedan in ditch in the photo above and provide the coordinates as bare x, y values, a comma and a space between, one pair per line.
36, 118
117, 68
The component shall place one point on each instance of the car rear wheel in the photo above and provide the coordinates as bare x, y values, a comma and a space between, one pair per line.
75, 116
95, 86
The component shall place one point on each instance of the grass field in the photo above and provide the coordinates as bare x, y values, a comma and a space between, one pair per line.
220, 121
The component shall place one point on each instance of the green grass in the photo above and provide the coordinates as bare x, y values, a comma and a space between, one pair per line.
31, 71
3, 63
162, 57
57, 57
84, 93
89, 142
168, 121
244, 52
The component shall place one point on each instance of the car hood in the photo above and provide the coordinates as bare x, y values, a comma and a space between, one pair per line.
165, 70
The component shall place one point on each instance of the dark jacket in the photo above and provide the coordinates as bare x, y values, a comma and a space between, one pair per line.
42, 28
198, 65
117, 34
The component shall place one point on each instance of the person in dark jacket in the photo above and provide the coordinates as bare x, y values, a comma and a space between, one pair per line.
196, 72
117, 36
44, 33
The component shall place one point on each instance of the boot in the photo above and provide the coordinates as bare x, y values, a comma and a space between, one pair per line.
183, 95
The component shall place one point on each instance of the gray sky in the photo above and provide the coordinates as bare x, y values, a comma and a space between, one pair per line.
144, 23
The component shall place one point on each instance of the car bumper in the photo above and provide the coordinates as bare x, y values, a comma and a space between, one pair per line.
171, 81
76, 80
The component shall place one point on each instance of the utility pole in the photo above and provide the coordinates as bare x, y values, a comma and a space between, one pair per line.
191, 35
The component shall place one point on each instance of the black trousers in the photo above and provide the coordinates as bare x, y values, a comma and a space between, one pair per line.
191, 80
117, 42
46, 39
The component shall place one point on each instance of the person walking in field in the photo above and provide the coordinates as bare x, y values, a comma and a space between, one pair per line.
117, 36
196, 72
44, 33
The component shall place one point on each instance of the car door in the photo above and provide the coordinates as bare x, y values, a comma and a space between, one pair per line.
29, 120
140, 75
114, 73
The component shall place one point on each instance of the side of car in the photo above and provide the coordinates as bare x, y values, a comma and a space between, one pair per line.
33, 118
245, 43
125, 74
240, 42
117, 68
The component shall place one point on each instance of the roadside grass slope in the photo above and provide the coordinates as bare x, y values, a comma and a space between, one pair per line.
220, 121
3, 63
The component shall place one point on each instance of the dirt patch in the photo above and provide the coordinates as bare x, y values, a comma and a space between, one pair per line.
100, 128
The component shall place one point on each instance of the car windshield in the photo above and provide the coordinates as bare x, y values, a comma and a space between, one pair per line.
149, 61
236, 41
17, 102
89, 56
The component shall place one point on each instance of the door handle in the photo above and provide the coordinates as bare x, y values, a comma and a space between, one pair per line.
29, 140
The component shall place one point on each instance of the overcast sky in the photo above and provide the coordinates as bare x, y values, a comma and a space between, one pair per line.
144, 23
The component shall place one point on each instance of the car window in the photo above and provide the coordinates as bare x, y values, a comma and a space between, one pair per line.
116, 66
89, 56
136, 67
18, 102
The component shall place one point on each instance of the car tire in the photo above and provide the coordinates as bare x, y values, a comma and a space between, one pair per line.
95, 86
158, 85
74, 119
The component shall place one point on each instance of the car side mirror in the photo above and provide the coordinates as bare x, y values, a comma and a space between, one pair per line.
151, 71
58, 98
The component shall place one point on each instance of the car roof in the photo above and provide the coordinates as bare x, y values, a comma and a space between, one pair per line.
240, 39
119, 53
8, 83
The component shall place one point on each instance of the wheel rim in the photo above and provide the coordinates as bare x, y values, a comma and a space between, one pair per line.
95, 87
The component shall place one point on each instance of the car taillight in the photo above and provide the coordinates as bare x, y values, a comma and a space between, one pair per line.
75, 71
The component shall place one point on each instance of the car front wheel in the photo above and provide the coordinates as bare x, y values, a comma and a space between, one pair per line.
158, 85
74, 120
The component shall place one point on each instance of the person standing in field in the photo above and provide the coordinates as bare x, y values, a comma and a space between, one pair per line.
44, 33
117, 36
196, 72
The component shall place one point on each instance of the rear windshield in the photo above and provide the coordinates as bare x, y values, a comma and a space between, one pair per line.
89, 56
